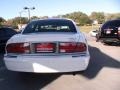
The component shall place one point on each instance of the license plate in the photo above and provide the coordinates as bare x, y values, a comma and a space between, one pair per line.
45, 47
108, 32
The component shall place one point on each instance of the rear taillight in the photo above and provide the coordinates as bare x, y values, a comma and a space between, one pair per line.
119, 32
18, 48
45, 47
72, 47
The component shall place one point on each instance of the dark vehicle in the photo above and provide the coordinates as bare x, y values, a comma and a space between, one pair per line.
5, 34
109, 32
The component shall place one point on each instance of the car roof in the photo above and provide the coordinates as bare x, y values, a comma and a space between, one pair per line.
110, 21
115, 20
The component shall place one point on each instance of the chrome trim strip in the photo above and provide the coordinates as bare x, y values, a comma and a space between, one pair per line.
54, 54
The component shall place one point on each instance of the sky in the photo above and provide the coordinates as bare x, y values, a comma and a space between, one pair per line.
11, 8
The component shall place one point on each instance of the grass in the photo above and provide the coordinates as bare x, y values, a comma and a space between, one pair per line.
87, 29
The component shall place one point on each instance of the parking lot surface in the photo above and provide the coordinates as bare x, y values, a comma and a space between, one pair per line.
103, 73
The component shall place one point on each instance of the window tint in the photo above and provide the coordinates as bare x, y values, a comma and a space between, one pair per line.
111, 24
50, 26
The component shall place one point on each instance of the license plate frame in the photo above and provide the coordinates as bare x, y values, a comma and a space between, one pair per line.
38, 49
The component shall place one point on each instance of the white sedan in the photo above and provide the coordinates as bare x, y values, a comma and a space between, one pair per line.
93, 33
48, 46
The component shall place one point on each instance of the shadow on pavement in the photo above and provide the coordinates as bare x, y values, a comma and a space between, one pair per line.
112, 44
18, 81
98, 61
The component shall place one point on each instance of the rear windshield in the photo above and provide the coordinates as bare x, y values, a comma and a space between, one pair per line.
111, 24
50, 26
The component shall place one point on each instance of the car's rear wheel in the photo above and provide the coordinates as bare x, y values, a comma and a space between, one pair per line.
97, 38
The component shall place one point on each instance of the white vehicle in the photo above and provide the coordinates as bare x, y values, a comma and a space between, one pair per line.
48, 46
93, 33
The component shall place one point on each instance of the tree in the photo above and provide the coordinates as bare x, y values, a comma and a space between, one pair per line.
99, 16
17, 20
113, 16
44, 17
2, 20
34, 18
78, 17
20, 20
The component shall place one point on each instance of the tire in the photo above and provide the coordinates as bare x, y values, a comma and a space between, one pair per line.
97, 38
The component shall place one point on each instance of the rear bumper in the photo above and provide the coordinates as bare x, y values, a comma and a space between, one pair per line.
47, 64
109, 39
